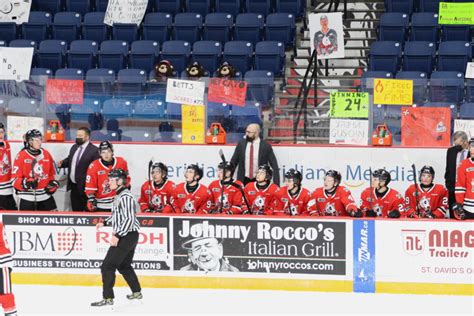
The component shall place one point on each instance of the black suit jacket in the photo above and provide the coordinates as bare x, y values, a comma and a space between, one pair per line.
265, 156
450, 174
91, 153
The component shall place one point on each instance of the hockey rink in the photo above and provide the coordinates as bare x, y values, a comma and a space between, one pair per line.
75, 300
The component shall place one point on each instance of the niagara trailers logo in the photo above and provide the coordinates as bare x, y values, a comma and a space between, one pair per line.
413, 241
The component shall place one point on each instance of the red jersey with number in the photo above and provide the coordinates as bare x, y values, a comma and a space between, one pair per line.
336, 204
465, 185
6, 187
97, 181
157, 199
434, 200
231, 200
389, 201
39, 167
198, 202
286, 205
5, 253
261, 202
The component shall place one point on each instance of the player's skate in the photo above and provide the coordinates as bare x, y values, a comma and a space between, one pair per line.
135, 296
104, 302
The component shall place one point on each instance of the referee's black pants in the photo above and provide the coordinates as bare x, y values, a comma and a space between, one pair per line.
120, 258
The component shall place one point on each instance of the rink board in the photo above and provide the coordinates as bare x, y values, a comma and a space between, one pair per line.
266, 253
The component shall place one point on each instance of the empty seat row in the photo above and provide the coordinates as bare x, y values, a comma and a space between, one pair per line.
409, 6
68, 26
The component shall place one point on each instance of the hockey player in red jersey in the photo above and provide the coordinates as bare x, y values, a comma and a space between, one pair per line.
426, 199
7, 202
7, 298
333, 199
379, 200
99, 195
262, 193
226, 194
157, 193
191, 196
33, 175
464, 206
292, 199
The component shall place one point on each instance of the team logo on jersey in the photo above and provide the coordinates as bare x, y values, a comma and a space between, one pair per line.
216, 190
157, 202
106, 187
38, 172
321, 200
224, 201
252, 192
258, 205
425, 203
413, 241
181, 195
293, 209
378, 210
189, 206
5, 166
101, 172
330, 210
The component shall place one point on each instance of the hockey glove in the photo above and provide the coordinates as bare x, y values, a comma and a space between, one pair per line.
52, 186
92, 203
394, 214
354, 211
458, 211
370, 213
427, 214
30, 183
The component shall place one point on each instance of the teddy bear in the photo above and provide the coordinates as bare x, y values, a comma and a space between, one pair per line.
195, 71
163, 70
226, 71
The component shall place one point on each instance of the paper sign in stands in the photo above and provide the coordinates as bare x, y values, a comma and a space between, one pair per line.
193, 124
185, 91
470, 70
426, 126
456, 13
393, 91
18, 125
17, 11
125, 11
227, 91
466, 126
15, 63
349, 104
349, 132
64, 91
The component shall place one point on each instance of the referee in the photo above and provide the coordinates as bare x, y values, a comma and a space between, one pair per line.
124, 240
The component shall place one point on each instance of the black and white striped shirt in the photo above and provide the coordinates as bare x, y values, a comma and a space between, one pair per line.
124, 213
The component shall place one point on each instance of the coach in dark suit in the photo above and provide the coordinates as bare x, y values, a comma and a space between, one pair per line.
454, 156
82, 153
251, 153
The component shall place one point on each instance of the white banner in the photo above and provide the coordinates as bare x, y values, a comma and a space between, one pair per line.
18, 125
349, 132
125, 11
470, 70
17, 11
465, 126
15, 63
327, 35
185, 92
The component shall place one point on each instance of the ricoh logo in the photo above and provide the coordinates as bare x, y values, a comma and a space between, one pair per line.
144, 238
441, 243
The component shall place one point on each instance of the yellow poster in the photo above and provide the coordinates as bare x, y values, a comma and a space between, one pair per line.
194, 121
393, 91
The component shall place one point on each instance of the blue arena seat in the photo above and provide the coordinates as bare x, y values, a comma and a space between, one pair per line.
420, 84
113, 55
289, 6
385, 56
116, 108
249, 27
239, 54
202, 7
144, 55
99, 82
41, 72
157, 26
419, 56
69, 73
127, 32
137, 135
453, 56
23, 43
393, 26
424, 27
66, 26
218, 27
79, 6
149, 109
101, 5
229, 6
208, 54
449, 105
270, 56
187, 27
263, 7
402, 6
23, 106
177, 53
169, 6
260, 86
456, 33
81, 112
51, 6
280, 27
370, 75
217, 112
8, 31
83, 54
429, 5
469, 90
245, 115
446, 86
131, 82
51, 54
173, 111
93, 27
37, 27
466, 111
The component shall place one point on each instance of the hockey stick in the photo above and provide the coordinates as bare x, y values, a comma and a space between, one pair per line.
371, 191
33, 175
150, 164
417, 193
221, 204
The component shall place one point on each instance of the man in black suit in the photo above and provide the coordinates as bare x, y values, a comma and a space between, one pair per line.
82, 153
454, 156
251, 153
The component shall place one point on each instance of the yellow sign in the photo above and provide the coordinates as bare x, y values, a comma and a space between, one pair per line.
393, 91
194, 121
456, 13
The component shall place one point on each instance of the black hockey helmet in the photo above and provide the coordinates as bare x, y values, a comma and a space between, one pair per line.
383, 175
105, 145
32, 133
162, 167
427, 169
268, 171
118, 174
2, 126
336, 175
295, 175
197, 170
471, 141
227, 166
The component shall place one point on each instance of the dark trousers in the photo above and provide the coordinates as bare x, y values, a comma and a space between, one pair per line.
120, 258
451, 201
47, 205
78, 199
7, 202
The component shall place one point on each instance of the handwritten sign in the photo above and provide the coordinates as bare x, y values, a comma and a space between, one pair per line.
194, 119
17, 11
125, 11
227, 91
185, 91
18, 125
62, 91
15, 63
349, 132
466, 126
349, 104
426, 126
393, 91
470, 70
456, 13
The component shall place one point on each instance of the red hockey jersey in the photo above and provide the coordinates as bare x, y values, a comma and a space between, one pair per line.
434, 200
6, 187
465, 185
232, 200
43, 171
162, 200
97, 183
334, 205
261, 202
391, 200
198, 202
286, 205
5, 253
